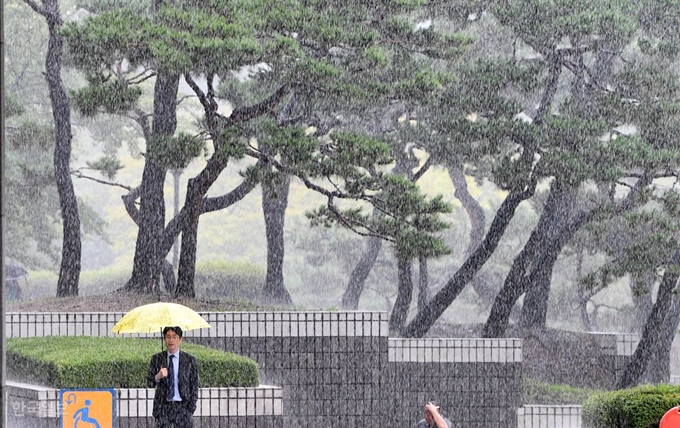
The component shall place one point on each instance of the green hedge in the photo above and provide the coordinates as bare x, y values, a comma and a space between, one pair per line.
629, 408
115, 362
537, 392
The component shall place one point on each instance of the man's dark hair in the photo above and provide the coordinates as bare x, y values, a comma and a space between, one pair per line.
176, 329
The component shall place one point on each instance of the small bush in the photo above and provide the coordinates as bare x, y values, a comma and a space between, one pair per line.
537, 392
629, 408
115, 362
222, 279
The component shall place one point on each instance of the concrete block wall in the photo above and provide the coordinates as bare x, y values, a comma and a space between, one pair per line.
478, 382
616, 348
330, 365
537, 416
340, 369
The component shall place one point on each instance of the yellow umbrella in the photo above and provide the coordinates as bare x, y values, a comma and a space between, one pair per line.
156, 316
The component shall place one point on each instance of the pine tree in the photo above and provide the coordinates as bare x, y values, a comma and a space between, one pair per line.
325, 56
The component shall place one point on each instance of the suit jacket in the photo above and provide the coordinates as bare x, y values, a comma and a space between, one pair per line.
187, 381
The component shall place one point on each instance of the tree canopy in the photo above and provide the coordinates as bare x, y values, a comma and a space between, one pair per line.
568, 107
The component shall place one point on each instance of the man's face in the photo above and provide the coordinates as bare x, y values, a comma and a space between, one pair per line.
172, 341
428, 417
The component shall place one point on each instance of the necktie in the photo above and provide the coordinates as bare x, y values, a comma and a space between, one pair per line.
171, 378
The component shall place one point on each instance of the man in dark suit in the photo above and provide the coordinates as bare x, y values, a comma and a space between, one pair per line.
174, 374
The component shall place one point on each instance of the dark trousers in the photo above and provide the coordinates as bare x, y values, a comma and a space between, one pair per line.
174, 414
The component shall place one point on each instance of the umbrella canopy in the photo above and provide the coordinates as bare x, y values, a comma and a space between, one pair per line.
13, 272
155, 316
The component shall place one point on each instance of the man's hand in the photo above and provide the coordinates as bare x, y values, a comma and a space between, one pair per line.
433, 412
431, 409
163, 372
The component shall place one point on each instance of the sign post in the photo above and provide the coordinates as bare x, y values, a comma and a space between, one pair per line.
82, 408
671, 419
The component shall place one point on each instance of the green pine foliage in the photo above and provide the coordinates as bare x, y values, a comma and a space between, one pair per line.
108, 166
32, 199
645, 93
338, 63
176, 152
108, 97
337, 58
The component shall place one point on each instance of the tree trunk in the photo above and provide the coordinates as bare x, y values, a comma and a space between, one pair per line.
659, 367
69, 271
535, 308
652, 331
187, 258
168, 273
148, 255
472, 208
146, 264
423, 284
404, 296
357, 280
550, 247
581, 291
475, 215
641, 290
175, 225
274, 204
545, 235
422, 322
176, 173
197, 187
516, 282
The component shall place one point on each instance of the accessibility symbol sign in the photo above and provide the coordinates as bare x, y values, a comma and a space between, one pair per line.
92, 408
